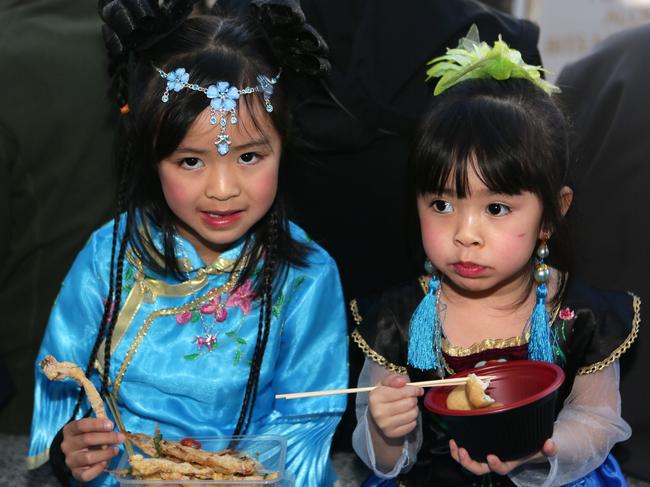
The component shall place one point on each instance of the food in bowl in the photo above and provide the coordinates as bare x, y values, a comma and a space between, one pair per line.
471, 395
528, 391
163, 459
167, 460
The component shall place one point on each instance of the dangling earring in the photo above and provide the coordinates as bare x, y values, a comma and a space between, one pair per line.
539, 343
428, 267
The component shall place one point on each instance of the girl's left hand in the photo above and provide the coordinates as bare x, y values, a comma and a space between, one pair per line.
494, 464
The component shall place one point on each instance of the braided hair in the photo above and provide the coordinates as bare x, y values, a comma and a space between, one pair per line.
141, 34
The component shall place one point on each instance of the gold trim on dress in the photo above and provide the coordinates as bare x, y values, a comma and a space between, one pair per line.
374, 356
354, 309
498, 343
487, 344
149, 290
135, 344
35, 461
623, 347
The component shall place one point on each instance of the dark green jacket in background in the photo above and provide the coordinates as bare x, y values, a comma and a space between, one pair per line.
56, 186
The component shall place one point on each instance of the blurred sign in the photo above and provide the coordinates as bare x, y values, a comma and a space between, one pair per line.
571, 28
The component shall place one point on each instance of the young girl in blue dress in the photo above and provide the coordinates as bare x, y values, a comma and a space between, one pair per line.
489, 171
200, 301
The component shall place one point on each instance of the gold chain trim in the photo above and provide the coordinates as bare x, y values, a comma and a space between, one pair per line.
378, 359
354, 308
622, 348
168, 312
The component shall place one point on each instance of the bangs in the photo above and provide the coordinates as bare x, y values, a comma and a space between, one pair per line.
495, 138
169, 122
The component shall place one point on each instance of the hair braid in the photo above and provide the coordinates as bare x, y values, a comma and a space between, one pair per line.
108, 304
115, 312
268, 293
264, 325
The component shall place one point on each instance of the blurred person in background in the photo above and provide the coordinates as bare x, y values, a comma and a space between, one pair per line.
606, 96
56, 133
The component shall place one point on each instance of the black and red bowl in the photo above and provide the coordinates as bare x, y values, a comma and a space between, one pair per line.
528, 391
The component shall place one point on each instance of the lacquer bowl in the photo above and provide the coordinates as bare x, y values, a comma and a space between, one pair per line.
528, 391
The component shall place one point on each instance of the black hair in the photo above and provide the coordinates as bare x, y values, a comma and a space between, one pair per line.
210, 47
511, 132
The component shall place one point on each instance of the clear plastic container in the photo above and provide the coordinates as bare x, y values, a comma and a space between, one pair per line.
270, 451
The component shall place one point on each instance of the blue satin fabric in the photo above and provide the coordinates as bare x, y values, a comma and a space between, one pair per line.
609, 474
202, 396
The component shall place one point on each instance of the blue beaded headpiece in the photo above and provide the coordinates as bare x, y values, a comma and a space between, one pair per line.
223, 99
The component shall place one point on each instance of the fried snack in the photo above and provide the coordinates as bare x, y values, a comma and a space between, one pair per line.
151, 466
221, 462
457, 399
471, 395
55, 370
163, 469
475, 388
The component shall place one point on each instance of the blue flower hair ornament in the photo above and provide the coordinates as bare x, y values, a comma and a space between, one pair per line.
223, 99
475, 59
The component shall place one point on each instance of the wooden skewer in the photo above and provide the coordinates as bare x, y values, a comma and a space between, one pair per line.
426, 383
112, 405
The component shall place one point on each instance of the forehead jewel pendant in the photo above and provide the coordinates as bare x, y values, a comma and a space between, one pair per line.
223, 99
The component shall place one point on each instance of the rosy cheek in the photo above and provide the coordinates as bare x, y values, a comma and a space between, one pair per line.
432, 238
266, 186
173, 190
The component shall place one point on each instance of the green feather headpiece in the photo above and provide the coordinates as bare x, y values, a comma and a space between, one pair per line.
474, 59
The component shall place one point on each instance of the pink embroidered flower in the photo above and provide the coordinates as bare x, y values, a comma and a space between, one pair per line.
242, 297
184, 317
567, 314
215, 307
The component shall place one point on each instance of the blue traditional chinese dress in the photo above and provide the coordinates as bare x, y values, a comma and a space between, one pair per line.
181, 351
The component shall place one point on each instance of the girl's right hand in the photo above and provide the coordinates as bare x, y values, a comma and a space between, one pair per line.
394, 406
82, 446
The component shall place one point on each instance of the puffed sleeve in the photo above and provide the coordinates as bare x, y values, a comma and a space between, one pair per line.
587, 428
382, 335
313, 356
69, 336
594, 329
371, 374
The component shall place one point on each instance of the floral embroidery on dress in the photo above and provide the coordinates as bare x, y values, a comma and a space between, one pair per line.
283, 299
214, 312
559, 332
242, 297
567, 314
129, 279
216, 308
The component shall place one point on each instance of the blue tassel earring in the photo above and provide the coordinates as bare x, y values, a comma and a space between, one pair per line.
539, 343
425, 335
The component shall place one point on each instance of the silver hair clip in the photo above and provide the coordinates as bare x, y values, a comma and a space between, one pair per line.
223, 99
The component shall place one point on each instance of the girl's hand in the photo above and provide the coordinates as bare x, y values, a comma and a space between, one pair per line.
83, 446
494, 464
394, 406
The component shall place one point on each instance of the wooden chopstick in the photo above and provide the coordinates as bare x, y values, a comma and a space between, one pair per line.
426, 383
112, 405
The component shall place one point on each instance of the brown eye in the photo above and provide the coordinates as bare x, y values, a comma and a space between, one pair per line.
441, 206
498, 209
249, 158
191, 163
